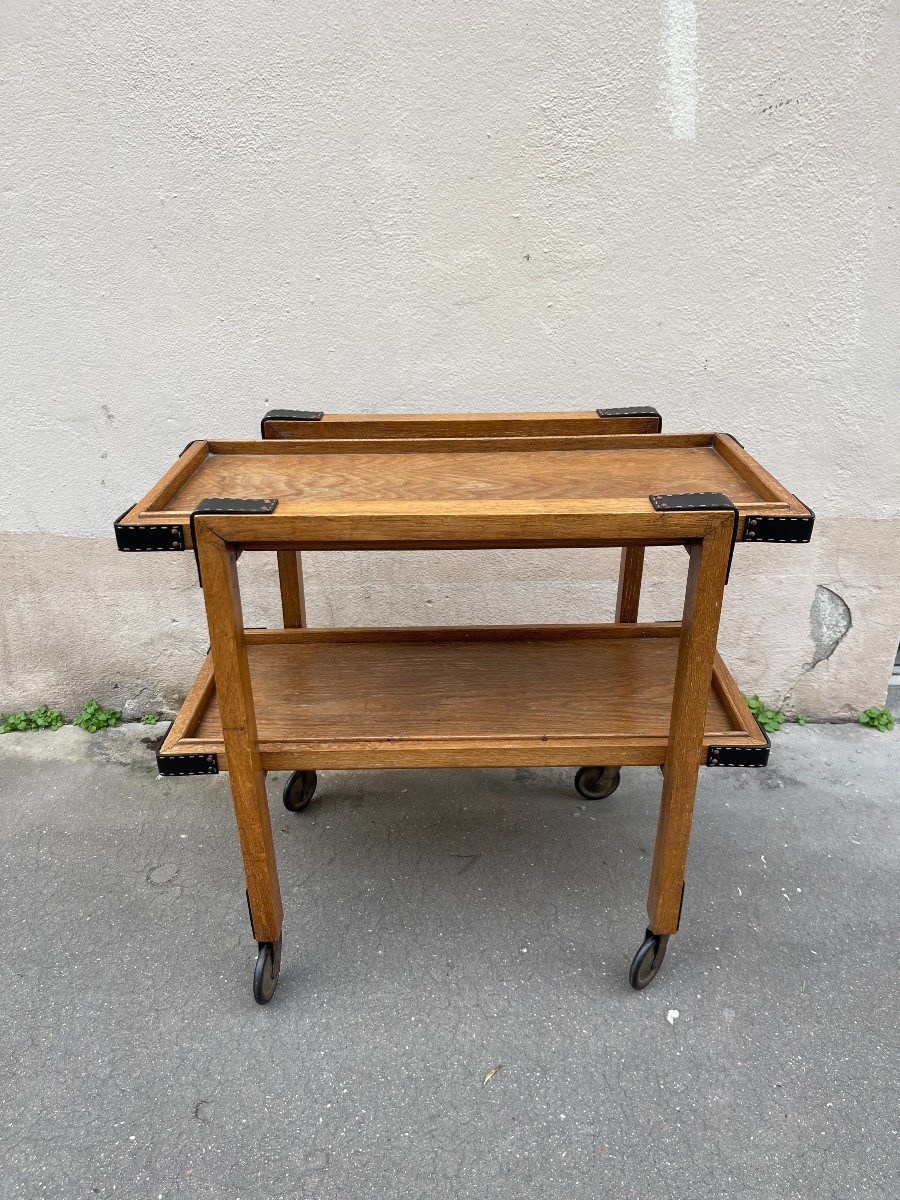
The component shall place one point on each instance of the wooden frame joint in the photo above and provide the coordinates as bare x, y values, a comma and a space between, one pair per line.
701, 502
222, 506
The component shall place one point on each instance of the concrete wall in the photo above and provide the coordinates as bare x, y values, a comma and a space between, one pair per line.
208, 210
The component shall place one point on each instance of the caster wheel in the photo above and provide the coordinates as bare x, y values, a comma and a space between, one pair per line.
266, 971
596, 783
299, 790
648, 959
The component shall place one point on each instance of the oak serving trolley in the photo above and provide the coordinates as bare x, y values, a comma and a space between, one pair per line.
605, 695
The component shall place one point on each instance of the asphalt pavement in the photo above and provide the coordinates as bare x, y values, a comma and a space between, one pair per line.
439, 925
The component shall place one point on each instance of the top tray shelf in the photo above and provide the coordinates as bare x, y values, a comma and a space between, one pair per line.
425, 467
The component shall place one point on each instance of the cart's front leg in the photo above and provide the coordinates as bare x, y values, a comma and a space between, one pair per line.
693, 679
221, 595
290, 581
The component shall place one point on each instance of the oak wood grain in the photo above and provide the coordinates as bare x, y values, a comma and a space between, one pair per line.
597, 473
436, 477
527, 695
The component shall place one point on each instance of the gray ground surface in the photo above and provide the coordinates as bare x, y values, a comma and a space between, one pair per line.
439, 924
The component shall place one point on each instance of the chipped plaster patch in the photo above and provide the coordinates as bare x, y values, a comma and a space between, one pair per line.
830, 621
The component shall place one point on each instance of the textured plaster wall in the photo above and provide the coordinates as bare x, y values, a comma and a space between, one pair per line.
209, 210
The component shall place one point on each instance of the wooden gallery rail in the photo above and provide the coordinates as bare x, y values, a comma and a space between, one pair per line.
605, 695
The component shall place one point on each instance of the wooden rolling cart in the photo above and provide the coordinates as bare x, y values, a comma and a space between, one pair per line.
606, 695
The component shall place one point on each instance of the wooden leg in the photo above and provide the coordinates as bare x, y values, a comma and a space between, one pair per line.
222, 597
693, 678
290, 579
631, 569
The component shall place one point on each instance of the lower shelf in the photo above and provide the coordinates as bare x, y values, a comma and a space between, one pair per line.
496, 696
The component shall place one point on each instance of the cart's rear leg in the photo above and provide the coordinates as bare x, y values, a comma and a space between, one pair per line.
290, 582
597, 783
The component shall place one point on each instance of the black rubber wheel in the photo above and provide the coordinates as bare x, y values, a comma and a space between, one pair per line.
648, 959
266, 971
299, 790
596, 783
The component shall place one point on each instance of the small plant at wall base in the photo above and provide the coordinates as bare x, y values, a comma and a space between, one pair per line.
94, 718
771, 719
877, 717
40, 718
